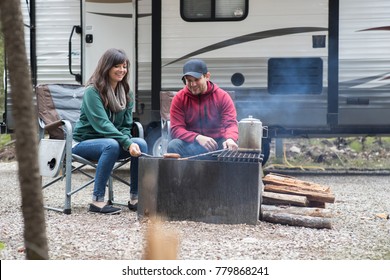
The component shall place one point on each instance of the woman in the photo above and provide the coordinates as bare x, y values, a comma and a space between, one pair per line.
102, 132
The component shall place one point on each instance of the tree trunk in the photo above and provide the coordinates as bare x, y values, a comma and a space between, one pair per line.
26, 130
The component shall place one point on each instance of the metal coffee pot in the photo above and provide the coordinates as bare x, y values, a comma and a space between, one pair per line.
250, 132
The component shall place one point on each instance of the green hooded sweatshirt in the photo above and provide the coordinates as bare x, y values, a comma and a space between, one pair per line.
97, 122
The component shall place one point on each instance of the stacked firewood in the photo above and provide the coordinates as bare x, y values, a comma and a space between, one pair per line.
290, 201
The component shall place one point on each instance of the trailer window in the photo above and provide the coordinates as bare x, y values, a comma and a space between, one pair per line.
213, 10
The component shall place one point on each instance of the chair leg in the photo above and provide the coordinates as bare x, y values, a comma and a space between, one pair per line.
68, 188
110, 190
68, 171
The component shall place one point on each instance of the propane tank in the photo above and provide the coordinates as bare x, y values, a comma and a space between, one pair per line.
250, 132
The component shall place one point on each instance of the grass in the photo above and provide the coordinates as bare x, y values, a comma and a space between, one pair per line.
4, 139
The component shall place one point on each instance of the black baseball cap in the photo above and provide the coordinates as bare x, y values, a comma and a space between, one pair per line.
195, 68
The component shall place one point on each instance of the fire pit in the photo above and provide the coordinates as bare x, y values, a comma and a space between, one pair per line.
226, 189
237, 156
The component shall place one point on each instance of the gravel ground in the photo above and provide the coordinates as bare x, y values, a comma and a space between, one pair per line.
358, 232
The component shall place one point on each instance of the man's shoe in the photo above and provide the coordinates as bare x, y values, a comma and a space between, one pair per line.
132, 205
107, 209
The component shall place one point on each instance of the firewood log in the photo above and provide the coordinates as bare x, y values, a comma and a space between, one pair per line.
303, 211
297, 220
274, 179
296, 190
271, 198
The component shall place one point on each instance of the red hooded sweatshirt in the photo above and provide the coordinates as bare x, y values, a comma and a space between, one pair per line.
211, 114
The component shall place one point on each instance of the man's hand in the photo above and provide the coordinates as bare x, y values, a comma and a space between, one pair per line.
207, 142
230, 144
134, 150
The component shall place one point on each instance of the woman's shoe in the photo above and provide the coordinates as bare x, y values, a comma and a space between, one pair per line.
106, 209
132, 205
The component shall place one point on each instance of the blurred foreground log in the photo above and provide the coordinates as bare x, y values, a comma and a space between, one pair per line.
161, 243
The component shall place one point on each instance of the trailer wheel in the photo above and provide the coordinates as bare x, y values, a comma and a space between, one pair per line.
154, 141
265, 149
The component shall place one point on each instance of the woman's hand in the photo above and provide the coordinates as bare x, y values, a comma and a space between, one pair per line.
134, 150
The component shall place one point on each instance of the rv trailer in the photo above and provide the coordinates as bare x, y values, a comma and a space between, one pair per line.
305, 68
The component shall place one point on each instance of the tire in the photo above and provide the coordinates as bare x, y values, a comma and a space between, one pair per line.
154, 141
265, 149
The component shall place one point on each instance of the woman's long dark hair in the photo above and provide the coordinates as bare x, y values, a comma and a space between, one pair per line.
100, 77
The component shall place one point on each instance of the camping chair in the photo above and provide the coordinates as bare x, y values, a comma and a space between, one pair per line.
165, 106
58, 110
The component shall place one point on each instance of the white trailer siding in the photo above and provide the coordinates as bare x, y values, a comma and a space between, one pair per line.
272, 29
181, 38
352, 97
54, 22
364, 63
145, 48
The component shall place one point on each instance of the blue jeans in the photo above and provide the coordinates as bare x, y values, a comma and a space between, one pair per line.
186, 149
107, 152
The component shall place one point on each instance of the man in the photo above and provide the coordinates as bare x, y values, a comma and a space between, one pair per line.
203, 116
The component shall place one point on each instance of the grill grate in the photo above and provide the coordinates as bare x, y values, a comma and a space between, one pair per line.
237, 156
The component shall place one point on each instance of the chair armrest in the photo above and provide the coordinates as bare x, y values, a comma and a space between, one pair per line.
140, 129
165, 103
53, 125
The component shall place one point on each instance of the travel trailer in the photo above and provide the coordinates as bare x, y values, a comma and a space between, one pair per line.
305, 68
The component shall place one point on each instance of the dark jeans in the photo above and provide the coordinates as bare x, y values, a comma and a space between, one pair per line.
107, 152
186, 149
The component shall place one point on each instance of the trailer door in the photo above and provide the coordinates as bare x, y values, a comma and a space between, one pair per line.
107, 24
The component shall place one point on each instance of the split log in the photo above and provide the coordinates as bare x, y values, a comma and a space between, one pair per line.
274, 179
285, 199
297, 190
297, 220
316, 204
303, 211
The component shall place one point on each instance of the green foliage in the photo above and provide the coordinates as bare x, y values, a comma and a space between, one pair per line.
385, 142
4, 139
370, 141
2, 245
356, 145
